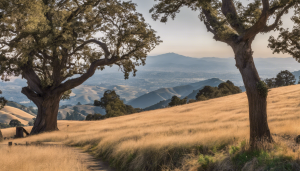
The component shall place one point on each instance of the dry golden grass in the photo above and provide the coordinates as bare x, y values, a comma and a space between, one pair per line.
155, 138
34, 158
8, 113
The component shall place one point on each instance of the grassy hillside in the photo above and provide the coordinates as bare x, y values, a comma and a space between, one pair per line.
8, 113
28, 110
206, 135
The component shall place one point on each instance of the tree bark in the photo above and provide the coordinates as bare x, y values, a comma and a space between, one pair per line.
46, 119
1, 136
259, 129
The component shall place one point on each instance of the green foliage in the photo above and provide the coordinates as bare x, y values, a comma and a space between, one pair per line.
91, 117
175, 101
192, 101
15, 123
53, 38
3, 101
264, 158
205, 160
66, 95
234, 149
283, 78
113, 105
4, 125
75, 115
288, 41
262, 89
223, 89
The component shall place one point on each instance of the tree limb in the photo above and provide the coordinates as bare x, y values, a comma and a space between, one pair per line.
278, 17
102, 45
260, 24
31, 95
229, 11
68, 85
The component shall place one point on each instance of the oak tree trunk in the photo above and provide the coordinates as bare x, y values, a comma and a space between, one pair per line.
1, 136
259, 129
46, 119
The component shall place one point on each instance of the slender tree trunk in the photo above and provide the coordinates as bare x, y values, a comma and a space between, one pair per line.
46, 119
259, 129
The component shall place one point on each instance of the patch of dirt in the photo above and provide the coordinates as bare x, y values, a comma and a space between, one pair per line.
91, 162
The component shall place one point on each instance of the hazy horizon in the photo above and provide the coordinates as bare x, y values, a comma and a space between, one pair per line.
187, 35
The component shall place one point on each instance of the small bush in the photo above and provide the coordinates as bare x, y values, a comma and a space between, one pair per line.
205, 160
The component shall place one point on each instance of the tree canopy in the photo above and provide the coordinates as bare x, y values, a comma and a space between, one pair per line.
223, 89
229, 20
175, 101
113, 105
283, 78
288, 41
237, 24
56, 45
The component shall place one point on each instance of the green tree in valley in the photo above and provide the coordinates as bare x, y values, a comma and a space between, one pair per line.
175, 101
223, 89
237, 25
75, 115
3, 101
270, 82
285, 78
56, 45
97, 116
15, 122
113, 105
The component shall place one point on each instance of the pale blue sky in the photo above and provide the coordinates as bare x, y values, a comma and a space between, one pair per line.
187, 35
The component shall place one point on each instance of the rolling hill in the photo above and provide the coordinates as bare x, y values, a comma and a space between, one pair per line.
82, 109
162, 94
8, 113
179, 136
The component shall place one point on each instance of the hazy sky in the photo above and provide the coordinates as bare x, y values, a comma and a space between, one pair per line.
187, 35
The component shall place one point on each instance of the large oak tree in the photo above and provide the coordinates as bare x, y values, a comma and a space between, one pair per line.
56, 45
237, 25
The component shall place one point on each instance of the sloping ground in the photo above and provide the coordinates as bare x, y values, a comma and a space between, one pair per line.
8, 113
156, 139
83, 110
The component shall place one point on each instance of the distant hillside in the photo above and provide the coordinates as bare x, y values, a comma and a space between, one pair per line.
214, 82
159, 95
28, 110
159, 105
8, 113
162, 94
82, 109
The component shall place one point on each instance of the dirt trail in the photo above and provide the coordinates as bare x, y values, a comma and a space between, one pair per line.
91, 162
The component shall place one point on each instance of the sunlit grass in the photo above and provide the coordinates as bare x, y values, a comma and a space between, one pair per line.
34, 158
167, 138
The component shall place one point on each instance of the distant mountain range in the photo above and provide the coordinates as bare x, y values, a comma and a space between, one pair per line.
166, 70
162, 94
